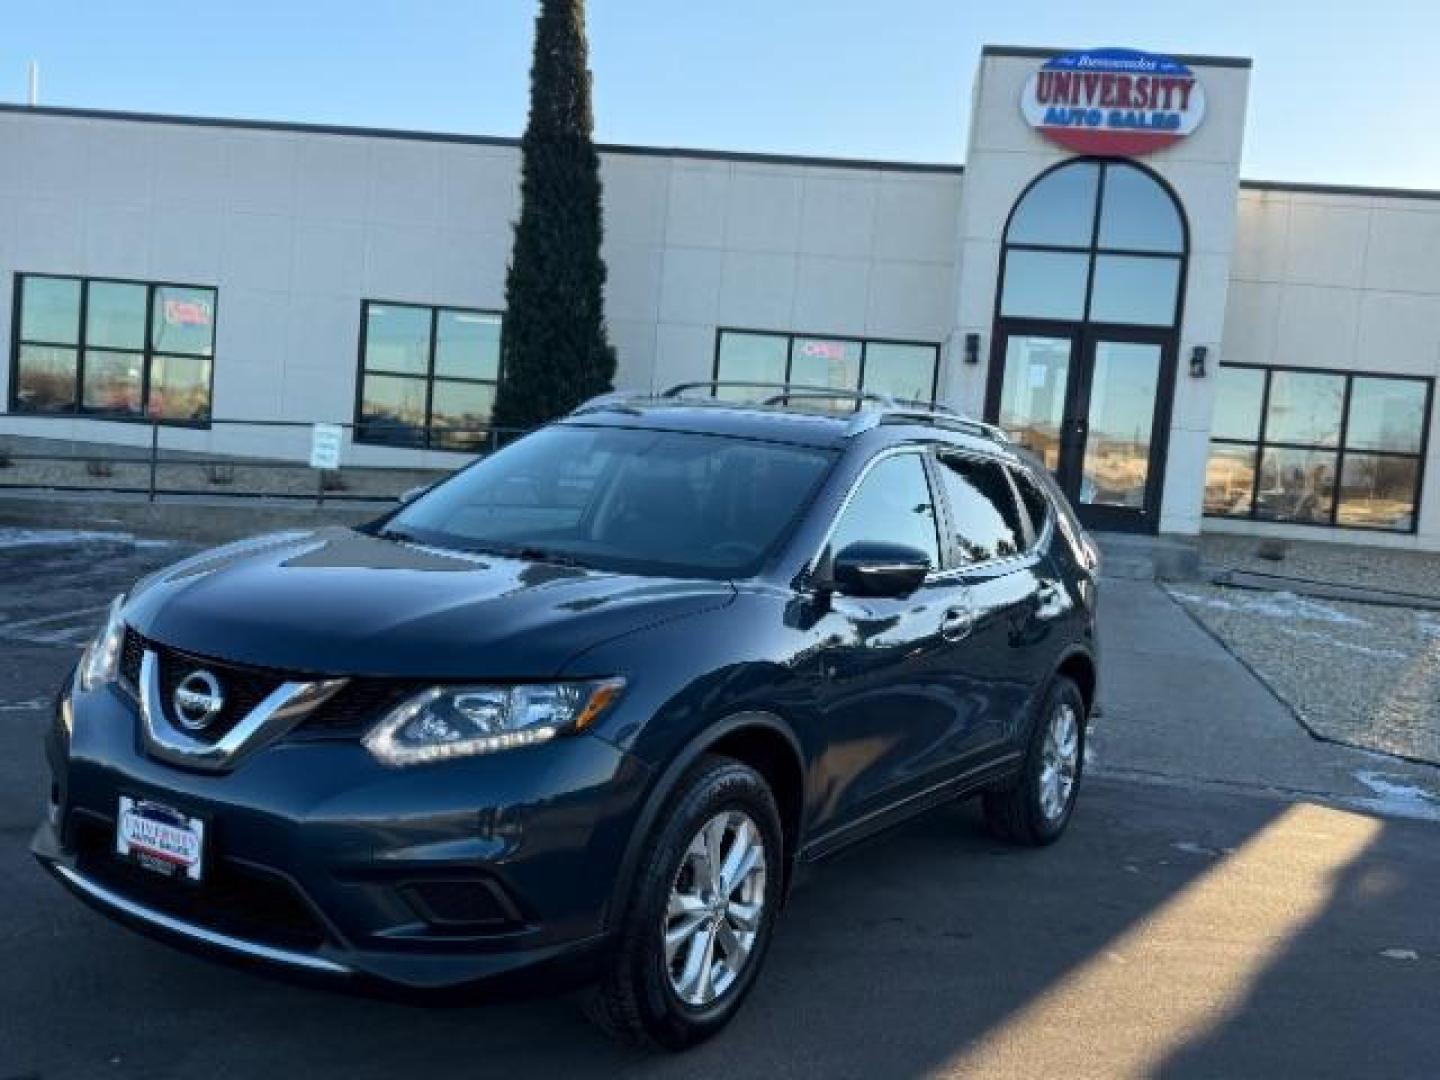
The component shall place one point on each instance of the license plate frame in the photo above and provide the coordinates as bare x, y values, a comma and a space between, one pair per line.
161, 839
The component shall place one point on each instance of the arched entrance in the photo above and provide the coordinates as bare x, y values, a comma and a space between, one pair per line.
1087, 319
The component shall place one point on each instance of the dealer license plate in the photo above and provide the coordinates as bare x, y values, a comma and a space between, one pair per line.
160, 838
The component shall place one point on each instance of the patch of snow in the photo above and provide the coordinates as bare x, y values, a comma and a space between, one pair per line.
24, 538
1396, 799
1400, 954
1274, 605
1192, 848
35, 705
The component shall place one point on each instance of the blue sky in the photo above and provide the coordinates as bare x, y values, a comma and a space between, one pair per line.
1341, 93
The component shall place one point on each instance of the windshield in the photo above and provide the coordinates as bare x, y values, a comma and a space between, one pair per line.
657, 502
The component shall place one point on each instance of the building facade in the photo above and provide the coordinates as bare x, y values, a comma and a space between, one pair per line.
1186, 349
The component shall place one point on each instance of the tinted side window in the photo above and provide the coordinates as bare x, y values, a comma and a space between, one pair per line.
1036, 504
982, 509
891, 505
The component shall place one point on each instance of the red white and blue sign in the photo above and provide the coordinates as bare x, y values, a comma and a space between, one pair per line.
1113, 101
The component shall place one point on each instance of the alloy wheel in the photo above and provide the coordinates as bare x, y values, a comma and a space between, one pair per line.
1059, 761
714, 909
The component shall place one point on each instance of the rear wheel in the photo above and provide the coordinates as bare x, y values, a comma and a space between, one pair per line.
1036, 806
700, 913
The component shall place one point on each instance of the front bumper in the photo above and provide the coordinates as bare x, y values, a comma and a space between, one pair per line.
321, 862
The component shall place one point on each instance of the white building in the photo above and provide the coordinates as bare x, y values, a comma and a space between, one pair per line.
1187, 349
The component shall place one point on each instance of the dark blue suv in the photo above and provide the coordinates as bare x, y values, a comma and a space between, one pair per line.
580, 712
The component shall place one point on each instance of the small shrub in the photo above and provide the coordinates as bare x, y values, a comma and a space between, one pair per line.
331, 480
6, 461
220, 473
1272, 550
99, 467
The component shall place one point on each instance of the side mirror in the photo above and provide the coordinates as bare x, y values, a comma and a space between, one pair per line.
409, 495
878, 569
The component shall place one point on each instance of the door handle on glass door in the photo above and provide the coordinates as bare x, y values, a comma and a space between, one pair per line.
957, 624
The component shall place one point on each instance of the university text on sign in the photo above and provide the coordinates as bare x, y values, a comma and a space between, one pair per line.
1113, 101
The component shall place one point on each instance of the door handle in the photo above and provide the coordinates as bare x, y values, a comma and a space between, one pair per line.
957, 624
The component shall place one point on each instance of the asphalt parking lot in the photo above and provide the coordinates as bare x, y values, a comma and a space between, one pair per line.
1219, 908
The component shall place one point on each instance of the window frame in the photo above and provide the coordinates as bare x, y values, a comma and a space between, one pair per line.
429, 378
1094, 250
1259, 444
939, 512
954, 564
791, 337
81, 346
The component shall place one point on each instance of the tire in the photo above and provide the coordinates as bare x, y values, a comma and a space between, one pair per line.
641, 999
1022, 812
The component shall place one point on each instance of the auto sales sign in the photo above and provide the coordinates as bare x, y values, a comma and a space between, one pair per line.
1113, 101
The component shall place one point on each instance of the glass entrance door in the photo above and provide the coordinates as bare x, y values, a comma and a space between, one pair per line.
1093, 404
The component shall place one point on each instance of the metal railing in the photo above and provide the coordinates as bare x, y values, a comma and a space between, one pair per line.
229, 458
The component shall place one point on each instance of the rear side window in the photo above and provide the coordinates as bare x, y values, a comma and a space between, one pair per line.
892, 505
1036, 504
983, 513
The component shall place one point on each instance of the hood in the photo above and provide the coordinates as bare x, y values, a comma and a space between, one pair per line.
340, 602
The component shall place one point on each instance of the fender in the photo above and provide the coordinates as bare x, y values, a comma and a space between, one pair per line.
665, 785
1089, 654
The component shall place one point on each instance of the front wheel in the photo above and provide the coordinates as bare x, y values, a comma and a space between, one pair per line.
700, 913
1036, 806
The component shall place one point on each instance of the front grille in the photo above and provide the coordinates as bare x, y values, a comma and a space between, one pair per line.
242, 688
347, 715
234, 898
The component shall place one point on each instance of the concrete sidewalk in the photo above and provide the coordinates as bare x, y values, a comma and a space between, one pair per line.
1179, 708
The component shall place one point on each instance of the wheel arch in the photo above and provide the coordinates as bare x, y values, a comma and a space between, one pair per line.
1079, 666
760, 740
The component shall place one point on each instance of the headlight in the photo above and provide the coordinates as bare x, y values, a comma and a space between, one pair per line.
460, 721
101, 662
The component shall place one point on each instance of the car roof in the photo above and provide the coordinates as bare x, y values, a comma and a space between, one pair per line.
794, 421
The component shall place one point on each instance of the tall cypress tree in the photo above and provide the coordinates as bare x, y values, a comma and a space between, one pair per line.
554, 351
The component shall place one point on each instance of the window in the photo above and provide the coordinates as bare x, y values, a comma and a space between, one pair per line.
659, 502
891, 505
1037, 505
116, 349
1317, 447
983, 512
427, 375
902, 369
1097, 241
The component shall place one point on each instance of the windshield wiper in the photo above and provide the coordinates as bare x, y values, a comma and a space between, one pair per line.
529, 553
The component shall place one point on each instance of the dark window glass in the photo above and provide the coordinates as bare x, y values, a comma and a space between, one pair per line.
899, 369
751, 358
659, 502
1386, 414
1135, 289
1305, 408
1032, 394
113, 370
906, 372
392, 410
397, 339
891, 505
50, 310
1378, 492
1037, 505
114, 382
180, 388
183, 320
428, 376
115, 315
1296, 485
825, 362
1044, 284
46, 379
460, 413
467, 345
982, 509
1137, 214
1239, 396
1059, 210
1229, 480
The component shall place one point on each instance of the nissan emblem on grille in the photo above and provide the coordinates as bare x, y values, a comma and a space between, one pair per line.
198, 700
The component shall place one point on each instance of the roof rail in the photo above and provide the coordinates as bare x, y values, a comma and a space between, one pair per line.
872, 409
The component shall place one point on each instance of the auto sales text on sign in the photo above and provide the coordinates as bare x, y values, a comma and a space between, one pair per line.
1113, 101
